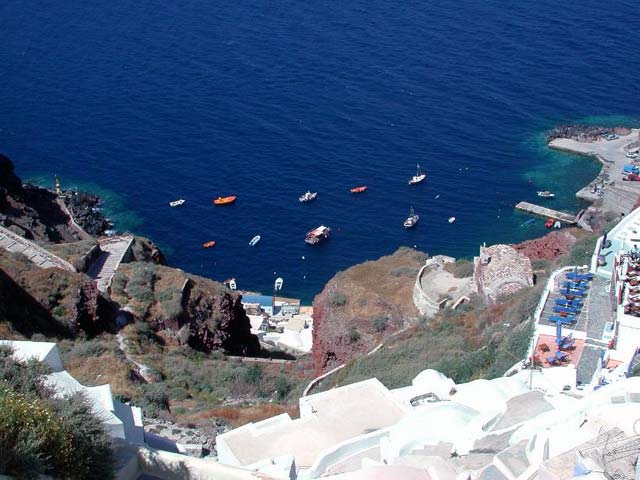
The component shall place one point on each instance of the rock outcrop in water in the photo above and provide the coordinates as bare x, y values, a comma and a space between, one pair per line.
85, 208
584, 133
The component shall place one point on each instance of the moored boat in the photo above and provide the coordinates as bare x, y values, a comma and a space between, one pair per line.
231, 283
255, 240
177, 203
418, 177
360, 189
546, 194
209, 244
412, 219
317, 234
307, 197
225, 200
549, 223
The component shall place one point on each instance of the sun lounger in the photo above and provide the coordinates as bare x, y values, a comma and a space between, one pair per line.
565, 310
564, 320
579, 276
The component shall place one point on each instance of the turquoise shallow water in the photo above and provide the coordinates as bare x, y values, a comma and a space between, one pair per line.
154, 101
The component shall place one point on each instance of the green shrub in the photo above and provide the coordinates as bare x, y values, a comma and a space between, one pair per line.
462, 268
154, 399
283, 387
582, 251
337, 299
23, 377
253, 374
118, 283
43, 435
380, 323
170, 300
353, 335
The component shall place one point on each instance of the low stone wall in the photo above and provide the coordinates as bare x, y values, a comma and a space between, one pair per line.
425, 305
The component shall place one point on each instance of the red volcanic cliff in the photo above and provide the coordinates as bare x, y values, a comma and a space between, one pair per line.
549, 247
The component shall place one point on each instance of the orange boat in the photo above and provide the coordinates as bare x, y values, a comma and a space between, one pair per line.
209, 244
358, 189
225, 200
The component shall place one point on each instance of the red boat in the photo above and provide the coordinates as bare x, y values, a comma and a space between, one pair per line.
360, 189
210, 244
549, 223
225, 200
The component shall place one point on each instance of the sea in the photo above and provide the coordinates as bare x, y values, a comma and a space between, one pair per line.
148, 101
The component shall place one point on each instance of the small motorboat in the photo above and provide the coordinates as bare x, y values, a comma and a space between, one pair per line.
231, 283
412, 219
418, 177
225, 200
546, 194
549, 223
362, 188
451, 219
317, 234
210, 244
254, 240
307, 197
177, 203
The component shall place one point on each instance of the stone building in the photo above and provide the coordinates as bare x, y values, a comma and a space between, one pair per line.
501, 270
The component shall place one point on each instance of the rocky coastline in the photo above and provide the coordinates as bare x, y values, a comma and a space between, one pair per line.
86, 210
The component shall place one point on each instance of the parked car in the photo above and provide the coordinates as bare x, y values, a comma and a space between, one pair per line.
612, 136
632, 155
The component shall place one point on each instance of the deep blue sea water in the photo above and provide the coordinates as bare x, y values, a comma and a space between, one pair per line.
149, 101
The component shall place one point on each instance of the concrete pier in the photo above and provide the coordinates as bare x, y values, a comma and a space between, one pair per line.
547, 212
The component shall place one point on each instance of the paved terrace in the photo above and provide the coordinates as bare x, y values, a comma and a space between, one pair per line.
38, 255
104, 268
597, 310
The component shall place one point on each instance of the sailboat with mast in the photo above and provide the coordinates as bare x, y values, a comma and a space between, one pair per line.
418, 177
412, 219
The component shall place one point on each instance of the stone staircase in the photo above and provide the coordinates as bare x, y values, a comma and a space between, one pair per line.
13, 242
104, 267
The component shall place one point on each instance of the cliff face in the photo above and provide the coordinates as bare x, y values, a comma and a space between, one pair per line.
359, 306
52, 301
217, 320
185, 309
32, 212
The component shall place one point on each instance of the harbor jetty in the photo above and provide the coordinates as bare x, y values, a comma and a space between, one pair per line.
547, 212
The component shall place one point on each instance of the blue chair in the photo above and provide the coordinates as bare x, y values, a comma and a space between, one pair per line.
562, 320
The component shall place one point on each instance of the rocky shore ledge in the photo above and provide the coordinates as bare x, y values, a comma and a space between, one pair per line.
85, 208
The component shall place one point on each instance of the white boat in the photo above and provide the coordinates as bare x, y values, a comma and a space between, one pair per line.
546, 194
255, 240
418, 177
317, 234
452, 219
412, 219
307, 197
177, 203
232, 284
